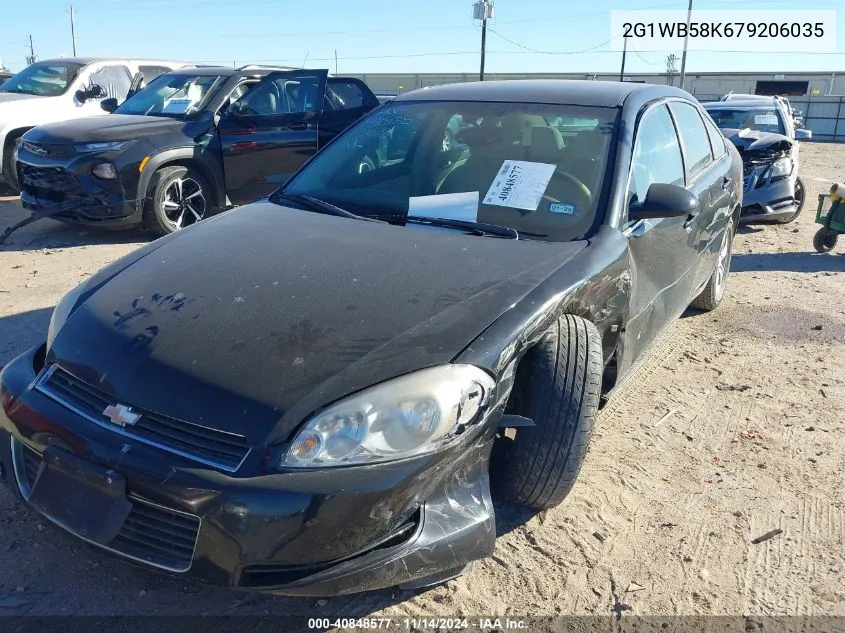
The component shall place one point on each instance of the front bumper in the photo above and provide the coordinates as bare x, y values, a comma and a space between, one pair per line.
764, 200
317, 533
65, 189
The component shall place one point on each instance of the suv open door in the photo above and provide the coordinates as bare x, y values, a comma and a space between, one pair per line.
270, 131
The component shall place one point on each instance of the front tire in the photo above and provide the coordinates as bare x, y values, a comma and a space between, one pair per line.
180, 197
711, 296
824, 240
558, 388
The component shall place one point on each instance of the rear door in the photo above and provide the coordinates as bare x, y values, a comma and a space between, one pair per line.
347, 100
663, 251
268, 133
708, 179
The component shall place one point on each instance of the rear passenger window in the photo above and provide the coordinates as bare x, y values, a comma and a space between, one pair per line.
344, 95
697, 152
717, 141
657, 153
151, 72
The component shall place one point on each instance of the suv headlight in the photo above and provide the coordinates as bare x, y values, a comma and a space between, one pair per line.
411, 415
109, 146
781, 168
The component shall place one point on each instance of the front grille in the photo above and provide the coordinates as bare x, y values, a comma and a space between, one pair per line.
158, 536
213, 447
747, 182
52, 150
30, 464
53, 183
151, 534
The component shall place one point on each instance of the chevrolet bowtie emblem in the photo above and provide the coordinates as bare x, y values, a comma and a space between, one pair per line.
121, 415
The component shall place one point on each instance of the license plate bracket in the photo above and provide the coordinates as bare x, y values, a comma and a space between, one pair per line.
85, 498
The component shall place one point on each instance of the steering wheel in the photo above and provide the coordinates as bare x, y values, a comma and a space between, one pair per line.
575, 182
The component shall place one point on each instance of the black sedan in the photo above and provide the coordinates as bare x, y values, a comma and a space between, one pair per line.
314, 394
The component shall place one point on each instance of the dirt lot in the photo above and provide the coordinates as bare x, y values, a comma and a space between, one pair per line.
733, 428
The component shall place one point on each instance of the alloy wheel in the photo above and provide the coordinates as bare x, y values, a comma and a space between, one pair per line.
184, 202
724, 264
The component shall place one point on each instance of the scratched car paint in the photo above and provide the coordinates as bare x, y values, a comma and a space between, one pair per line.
313, 393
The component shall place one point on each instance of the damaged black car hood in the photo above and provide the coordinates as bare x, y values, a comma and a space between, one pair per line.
753, 140
251, 320
103, 128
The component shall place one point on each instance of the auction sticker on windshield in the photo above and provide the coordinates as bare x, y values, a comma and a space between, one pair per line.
520, 185
765, 119
177, 106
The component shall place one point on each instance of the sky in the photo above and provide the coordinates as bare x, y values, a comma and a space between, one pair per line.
398, 36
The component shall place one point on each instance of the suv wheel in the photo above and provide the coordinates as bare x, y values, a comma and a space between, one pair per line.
10, 176
180, 197
558, 388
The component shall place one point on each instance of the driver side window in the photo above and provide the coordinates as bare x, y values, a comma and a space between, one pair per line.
281, 96
657, 154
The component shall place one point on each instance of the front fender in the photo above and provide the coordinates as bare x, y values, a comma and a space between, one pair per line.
195, 156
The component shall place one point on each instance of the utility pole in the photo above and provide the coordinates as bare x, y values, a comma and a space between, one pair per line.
483, 10
31, 59
624, 52
335, 61
686, 40
670, 69
72, 31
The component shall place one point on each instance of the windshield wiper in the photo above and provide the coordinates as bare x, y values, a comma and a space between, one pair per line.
479, 228
321, 206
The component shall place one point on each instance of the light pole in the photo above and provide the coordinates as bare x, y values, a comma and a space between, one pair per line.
483, 10
624, 52
686, 40
72, 31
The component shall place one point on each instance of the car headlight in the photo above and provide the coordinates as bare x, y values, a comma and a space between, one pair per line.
109, 146
781, 168
62, 311
411, 415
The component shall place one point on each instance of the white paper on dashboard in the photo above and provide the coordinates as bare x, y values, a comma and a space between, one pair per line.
177, 106
450, 206
520, 185
765, 119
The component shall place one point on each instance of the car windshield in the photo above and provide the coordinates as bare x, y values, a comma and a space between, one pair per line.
176, 95
761, 119
45, 79
539, 169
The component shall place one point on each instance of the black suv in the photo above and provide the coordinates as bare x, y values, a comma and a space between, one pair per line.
191, 143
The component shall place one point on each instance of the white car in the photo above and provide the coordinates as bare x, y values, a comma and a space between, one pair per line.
60, 89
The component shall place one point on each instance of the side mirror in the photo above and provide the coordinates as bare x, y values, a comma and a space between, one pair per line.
233, 111
803, 135
94, 91
109, 105
664, 201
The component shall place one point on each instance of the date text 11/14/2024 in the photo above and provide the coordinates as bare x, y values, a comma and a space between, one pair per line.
421, 623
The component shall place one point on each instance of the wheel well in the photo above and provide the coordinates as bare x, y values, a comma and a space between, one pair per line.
522, 378
190, 164
11, 139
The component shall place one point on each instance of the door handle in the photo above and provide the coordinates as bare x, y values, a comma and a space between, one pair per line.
726, 182
299, 125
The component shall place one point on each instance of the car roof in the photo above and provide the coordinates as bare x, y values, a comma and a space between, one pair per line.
90, 60
608, 94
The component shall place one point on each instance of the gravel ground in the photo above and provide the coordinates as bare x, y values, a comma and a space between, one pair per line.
731, 429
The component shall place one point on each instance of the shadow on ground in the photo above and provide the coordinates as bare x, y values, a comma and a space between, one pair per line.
787, 262
19, 332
